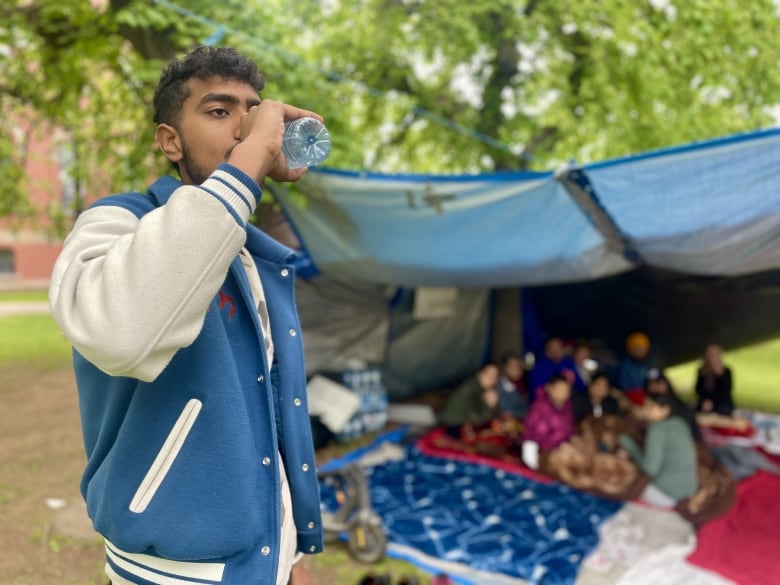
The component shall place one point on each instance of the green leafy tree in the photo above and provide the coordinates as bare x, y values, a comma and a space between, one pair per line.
405, 85
84, 73
548, 80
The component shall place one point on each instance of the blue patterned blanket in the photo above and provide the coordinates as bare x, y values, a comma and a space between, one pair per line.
479, 524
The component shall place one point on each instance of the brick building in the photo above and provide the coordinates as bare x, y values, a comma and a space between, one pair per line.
29, 246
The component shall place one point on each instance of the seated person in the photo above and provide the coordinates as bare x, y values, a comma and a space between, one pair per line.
713, 384
586, 460
634, 365
554, 360
584, 367
474, 403
669, 454
550, 420
597, 401
658, 383
513, 396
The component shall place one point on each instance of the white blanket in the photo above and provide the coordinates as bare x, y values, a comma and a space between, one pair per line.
645, 546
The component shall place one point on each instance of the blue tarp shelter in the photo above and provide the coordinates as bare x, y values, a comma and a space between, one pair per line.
704, 213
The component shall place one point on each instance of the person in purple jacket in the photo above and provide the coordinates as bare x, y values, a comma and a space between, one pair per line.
550, 421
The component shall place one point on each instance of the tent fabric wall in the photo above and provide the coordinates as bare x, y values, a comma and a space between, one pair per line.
709, 209
483, 231
349, 325
343, 322
435, 353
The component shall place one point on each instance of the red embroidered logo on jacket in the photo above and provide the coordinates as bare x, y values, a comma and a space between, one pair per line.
227, 300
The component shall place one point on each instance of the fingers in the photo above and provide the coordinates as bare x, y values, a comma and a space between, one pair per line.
293, 113
285, 174
287, 112
261, 133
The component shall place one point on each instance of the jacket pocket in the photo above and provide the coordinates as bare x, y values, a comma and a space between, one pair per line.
167, 455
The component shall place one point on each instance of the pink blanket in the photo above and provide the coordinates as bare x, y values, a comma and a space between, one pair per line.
744, 545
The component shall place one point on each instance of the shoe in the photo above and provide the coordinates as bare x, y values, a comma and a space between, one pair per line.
372, 579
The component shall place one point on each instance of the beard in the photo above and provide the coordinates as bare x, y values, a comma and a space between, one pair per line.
189, 166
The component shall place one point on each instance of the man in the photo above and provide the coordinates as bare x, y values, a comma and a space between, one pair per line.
635, 363
187, 348
554, 360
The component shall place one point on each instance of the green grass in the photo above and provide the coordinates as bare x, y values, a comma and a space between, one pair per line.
756, 373
34, 340
23, 295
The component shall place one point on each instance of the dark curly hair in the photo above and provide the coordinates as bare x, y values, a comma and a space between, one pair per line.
202, 62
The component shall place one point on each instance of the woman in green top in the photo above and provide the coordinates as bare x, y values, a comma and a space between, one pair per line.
669, 454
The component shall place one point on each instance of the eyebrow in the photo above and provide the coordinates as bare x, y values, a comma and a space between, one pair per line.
226, 98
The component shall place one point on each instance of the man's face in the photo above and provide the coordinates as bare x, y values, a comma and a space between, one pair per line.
638, 352
210, 125
581, 354
554, 350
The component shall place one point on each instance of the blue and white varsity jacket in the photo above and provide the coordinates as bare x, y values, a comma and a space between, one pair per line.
183, 419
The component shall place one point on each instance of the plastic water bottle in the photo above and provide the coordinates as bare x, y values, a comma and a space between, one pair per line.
306, 142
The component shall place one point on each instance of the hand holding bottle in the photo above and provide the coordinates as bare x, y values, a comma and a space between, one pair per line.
259, 151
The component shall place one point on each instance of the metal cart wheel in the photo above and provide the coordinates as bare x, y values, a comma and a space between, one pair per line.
367, 540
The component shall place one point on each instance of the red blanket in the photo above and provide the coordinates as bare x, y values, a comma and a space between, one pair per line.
744, 545
437, 443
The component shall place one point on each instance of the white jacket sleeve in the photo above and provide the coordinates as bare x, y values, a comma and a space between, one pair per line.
129, 292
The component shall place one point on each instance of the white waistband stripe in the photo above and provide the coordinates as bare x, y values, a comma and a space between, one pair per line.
140, 565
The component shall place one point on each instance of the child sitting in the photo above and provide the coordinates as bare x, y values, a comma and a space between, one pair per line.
513, 399
550, 421
669, 455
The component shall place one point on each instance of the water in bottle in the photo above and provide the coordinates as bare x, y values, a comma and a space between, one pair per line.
306, 142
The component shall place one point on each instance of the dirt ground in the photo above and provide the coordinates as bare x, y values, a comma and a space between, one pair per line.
45, 537
41, 458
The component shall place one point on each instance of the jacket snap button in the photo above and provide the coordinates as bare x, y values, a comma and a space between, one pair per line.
305, 467
297, 402
265, 551
260, 378
285, 272
266, 461
293, 333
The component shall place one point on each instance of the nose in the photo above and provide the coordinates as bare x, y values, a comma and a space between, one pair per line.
237, 132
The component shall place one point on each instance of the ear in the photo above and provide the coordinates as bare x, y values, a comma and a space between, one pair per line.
169, 141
